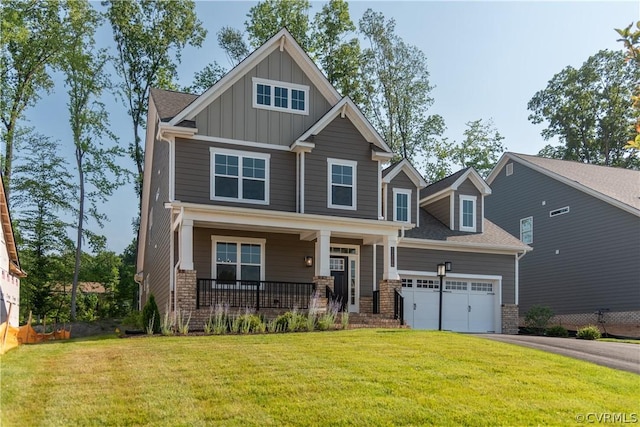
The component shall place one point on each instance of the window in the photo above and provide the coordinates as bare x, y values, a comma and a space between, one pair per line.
280, 96
240, 176
526, 230
481, 287
467, 213
560, 211
341, 178
336, 264
454, 285
509, 170
401, 205
238, 259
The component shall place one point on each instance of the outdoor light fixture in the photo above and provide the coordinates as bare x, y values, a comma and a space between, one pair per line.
308, 261
441, 272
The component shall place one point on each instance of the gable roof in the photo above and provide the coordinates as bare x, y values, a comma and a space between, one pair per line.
10, 241
452, 182
403, 165
432, 231
617, 186
346, 107
169, 103
282, 40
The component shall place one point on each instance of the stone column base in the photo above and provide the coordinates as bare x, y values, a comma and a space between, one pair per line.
387, 288
509, 319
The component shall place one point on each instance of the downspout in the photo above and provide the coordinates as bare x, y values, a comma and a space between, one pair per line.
302, 182
298, 182
518, 258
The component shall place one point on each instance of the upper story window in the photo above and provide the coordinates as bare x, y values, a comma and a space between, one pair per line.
526, 230
467, 213
239, 176
401, 205
341, 184
280, 96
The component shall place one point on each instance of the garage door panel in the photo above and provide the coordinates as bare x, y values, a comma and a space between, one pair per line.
481, 312
455, 313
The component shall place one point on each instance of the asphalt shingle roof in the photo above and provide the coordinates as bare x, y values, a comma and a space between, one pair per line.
619, 184
169, 103
442, 184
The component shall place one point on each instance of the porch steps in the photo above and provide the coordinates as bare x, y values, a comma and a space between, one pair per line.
365, 320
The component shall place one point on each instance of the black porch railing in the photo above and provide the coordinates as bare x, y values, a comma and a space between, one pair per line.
376, 302
249, 293
398, 306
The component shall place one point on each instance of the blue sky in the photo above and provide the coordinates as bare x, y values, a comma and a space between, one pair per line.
486, 60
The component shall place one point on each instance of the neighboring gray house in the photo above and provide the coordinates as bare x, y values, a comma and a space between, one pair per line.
270, 186
583, 222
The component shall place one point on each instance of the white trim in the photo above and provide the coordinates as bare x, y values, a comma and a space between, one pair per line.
239, 143
302, 181
385, 201
418, 208
298, 178
375, 264
453, 275
355, 307
380, 190
452, 211
241, 155
295, 51
396, 192
239, 241
473, 200
284, 85
354, 181
524, 219
408, 242
411, 172
559, 211
471, 174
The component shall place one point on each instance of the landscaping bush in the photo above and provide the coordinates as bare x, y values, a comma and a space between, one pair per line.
291, 321
133, 320
588, 333
557, 331
537, 319
151, 316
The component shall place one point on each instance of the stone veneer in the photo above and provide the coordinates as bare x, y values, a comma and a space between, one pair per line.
509, 319
366, 305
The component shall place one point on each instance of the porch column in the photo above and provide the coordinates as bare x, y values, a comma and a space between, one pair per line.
390, 259
186, 245
323, 239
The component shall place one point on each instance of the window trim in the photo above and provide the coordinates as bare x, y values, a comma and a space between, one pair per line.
241, 155
408, 193
273, 84
521, 222
474, 201
239, 241
354, 183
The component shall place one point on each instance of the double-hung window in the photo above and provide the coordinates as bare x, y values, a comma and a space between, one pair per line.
526, 230
401, 205
239, 176
341, 184
238, 259
468, 213
280, 96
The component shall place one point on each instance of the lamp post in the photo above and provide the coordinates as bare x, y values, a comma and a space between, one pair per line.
441, 272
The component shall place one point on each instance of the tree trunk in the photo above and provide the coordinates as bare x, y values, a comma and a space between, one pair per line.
76, 271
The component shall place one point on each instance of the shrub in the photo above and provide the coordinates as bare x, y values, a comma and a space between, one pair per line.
166, 328
590, 332
182, 322
133, 319
151, 316
291, 321
345, 319
537, 319
557, 331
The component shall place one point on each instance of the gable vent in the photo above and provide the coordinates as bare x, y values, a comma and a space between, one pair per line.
509, 169
560, 211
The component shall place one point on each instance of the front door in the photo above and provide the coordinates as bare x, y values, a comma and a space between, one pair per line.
338, 266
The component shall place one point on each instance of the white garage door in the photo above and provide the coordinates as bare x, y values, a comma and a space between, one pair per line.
467, 305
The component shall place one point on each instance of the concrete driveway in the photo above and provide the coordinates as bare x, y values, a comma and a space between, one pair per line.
615, 355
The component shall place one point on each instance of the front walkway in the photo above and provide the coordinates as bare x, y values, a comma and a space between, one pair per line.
623, 356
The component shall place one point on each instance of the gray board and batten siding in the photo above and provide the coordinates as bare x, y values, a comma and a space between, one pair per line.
341, 140
157, 265
402, 182
193, 175
583, 260
233, 116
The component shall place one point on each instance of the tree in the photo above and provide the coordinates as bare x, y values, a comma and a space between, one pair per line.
631, 40
43, 192
268, 17
206, 78
481, 147
398, 88
231, 41
149, 36
339, 59
590, 110
98, 174
33, 36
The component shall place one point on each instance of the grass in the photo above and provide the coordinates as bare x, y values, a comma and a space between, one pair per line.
354, 377
624, 340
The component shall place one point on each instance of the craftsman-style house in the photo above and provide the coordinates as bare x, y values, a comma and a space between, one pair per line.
271, 186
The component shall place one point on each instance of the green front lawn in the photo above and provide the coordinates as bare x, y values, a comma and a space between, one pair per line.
359, 377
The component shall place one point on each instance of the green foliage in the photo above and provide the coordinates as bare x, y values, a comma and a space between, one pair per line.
149, 36
231, 41
537, 318
631, 40
203, 80
557, 331
269, 16
133, 319
481, 148
182, 322
590, 332
291, 321
151, 315
344, 319
167, 326
590, 110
